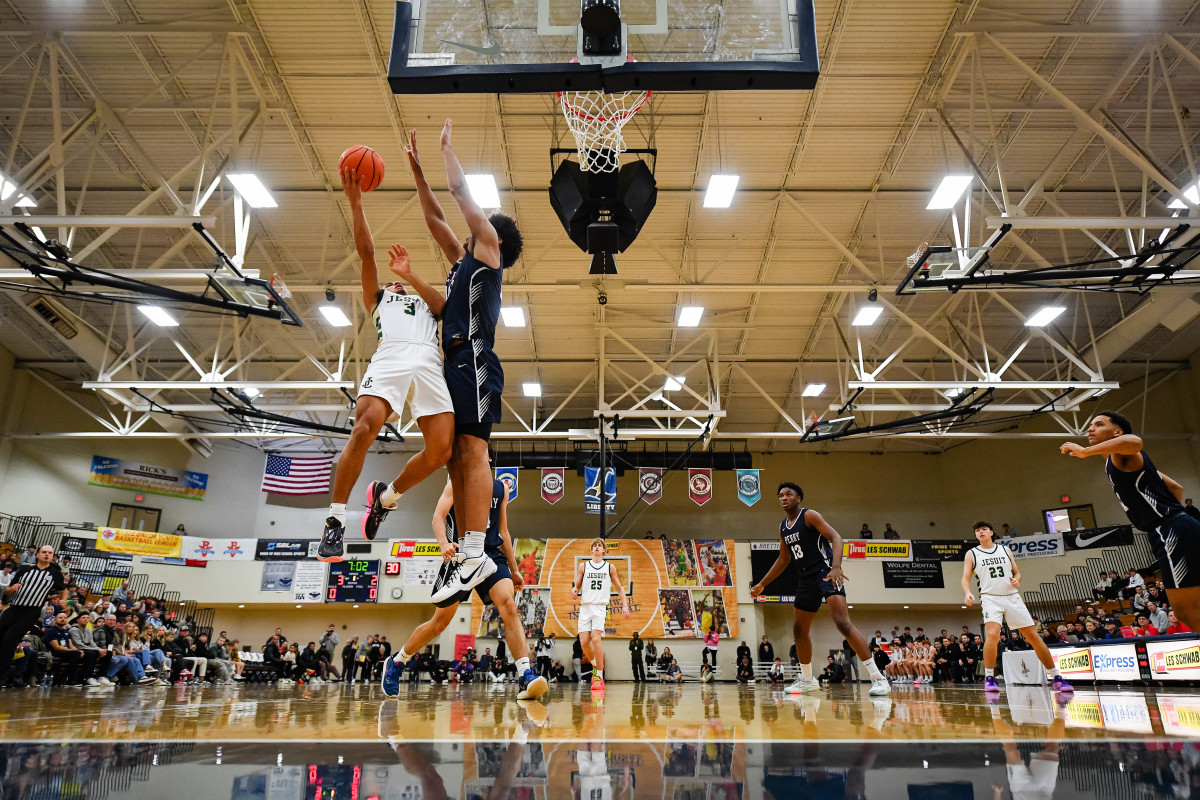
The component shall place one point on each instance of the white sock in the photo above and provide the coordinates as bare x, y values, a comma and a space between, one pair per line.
989, 673
338, 512
522, 663
1053, 672
402, 657
390, 497
873, 669
806, 672
472, 544
599, 673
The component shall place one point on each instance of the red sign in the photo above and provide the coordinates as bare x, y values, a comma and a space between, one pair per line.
700, 485
461, 642
856, 549
554, 484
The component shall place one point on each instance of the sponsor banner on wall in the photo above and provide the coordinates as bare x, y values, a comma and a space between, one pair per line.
1174, 660
748, 486
1043, 545
73, 545
138, 543
175, 562
913, 575
1111, 536
277, 576
308, 582
1074, 662
700, 485
554, 484
508, 476
134, 476
650, 484
875, 550
1126, 712
783, 588
419, 571
414, 548
285, 549
942, 550
592, 494
1180, 714
1115, 662
202, 549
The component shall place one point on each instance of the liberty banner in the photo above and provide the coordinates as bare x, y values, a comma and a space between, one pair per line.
700, 485
650, 484
749, 489
508, 476
554, 484
134, 476
591, 495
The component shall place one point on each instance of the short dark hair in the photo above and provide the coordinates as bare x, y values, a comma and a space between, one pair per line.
1120, 420
792, 486
511, 242
983, 524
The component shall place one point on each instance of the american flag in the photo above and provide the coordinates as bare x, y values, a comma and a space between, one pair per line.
285, 475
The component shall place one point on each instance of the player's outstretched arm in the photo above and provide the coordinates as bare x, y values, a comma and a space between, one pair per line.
968, 568
781, 562
487, 241
506, 545
1124, 445
368, 273
612, 571
440, 512
818, 523
398, 263
435, 218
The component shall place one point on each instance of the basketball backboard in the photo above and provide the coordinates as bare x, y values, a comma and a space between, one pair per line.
940, 267
522, 46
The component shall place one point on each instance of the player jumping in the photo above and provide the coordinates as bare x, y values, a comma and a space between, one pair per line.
593, 581
817, 547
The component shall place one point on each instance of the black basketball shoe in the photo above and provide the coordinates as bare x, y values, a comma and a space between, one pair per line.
376, 510
331, 541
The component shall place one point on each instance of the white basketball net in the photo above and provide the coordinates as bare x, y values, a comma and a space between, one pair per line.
596, 119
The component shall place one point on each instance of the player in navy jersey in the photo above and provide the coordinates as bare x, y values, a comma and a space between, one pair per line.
1154, 504
473, 372
817, 548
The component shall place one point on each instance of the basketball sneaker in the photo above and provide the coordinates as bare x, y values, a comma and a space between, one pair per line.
990, 685
376, 510
391, 676
880, 687
469, 573
800, 685
330, 548
1060, 685
597, 684
532, 686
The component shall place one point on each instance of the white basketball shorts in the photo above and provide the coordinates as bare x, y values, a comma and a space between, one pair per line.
999, 607
591, 617
400, 367
1036, 781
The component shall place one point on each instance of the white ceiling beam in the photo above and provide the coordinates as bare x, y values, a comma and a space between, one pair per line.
84, 221
67, 28
264, 386
1014, 385
1084, 223
1134, 28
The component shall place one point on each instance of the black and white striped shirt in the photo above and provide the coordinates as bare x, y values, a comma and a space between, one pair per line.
36, 584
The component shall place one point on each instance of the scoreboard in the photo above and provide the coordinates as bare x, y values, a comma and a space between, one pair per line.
353, 582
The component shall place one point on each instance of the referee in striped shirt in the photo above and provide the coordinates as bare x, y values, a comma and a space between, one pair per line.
26, 595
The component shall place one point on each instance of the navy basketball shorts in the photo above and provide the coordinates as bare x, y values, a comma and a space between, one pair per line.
476, 381
812, 589
1176, 544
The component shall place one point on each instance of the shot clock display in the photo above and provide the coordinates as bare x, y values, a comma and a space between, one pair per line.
353, 582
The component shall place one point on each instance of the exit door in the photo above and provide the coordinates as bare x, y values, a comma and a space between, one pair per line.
135, 518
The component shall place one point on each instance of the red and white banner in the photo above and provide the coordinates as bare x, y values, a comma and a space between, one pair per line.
700, 485
554, 484
650, 484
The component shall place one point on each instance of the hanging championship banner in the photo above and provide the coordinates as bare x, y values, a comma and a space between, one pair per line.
749, 489
650, 484
508, 476
201, 549
591, 495
700, 485
554, 484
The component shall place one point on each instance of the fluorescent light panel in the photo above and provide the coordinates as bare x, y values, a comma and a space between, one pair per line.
689, 316
867, 315
483, 189
1191, 193
252, 189
948, 191
159, 316
674, 384
7, 187
335, 316
813, 390
513, 316
532, 389
720, 191
1044, 316
251, 392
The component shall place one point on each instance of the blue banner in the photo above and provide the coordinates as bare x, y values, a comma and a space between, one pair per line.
749, 489
591, 495
508, 476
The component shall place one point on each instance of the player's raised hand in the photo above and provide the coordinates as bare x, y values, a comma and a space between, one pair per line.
351, 183
969, 599
446, 133
398, 262
414, 158
1072, 449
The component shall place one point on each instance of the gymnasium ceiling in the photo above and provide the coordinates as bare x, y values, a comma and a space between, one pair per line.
1064, 106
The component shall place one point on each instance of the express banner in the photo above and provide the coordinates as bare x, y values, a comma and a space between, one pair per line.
1043, 545
700, 485
201, 549
134, 476
138, 543
748, 486
285, 549
1111, 536
554, 484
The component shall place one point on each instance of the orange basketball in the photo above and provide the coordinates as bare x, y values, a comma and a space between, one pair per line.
366, 162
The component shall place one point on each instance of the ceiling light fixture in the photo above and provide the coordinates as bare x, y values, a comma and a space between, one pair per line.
1044, 316
531, 389
867, 315
513, 316
159, 316
813, 390
483, 189
948, 191
674, 384
335, 316
1191, 193
689, 316
721, 189
252, 189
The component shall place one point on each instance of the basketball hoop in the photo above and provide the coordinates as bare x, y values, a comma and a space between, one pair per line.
912, 260
596, 120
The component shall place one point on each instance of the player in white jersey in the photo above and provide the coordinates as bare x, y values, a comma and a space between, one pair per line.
993, 566
593, 584
408, 358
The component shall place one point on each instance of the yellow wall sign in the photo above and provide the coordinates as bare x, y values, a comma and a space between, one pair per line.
414, 548
138, 543
886, 550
